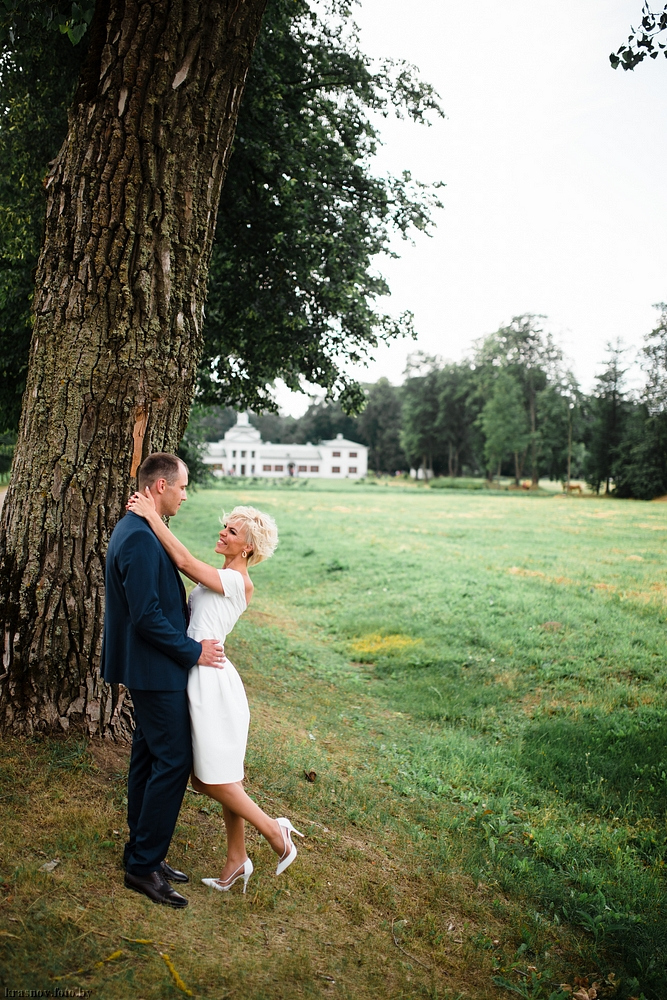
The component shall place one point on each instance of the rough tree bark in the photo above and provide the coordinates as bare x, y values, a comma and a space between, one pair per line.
132, 200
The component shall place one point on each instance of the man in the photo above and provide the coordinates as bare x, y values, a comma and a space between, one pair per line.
146, 648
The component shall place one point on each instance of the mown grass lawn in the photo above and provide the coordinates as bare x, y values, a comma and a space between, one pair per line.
478, 682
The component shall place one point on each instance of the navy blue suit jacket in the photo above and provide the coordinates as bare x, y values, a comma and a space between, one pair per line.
145, 643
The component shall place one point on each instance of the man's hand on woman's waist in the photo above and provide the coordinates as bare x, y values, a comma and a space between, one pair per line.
212, 654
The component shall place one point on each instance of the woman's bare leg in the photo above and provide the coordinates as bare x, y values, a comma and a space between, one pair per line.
237, 806
236, 850
235, 827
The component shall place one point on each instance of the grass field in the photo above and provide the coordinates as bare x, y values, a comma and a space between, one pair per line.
478, 682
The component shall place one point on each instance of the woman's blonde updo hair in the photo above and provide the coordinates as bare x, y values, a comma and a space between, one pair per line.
261, 531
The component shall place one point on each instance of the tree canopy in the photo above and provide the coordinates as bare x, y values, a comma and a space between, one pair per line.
529, 353
20, 17
293, 289
38, 76
419, 435
609, 411
510, 399
379, 426
505, 423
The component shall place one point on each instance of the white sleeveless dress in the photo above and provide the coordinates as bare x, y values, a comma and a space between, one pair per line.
219, 713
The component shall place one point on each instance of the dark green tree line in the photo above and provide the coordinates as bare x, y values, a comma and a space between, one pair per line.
505, 424
610, 409
640, 466
458, 407
505, 405
379, 427
528, 352
420, 439
476, 417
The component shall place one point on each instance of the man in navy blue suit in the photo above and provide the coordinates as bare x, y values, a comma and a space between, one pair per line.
146, 648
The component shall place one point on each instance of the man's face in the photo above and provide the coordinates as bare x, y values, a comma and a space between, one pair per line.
169, 496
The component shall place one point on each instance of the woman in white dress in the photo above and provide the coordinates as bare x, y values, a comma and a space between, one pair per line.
219, 713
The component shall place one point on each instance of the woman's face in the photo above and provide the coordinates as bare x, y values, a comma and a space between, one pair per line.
232, 539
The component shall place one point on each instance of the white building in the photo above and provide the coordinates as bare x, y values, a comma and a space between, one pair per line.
243, 453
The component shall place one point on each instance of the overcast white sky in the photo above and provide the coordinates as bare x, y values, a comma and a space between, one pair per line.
556, 200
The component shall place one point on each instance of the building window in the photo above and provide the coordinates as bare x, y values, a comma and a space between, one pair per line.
353, 454
243, 470
352, 468
303, 468
266, 468
314, 468
336, 454
279, 468
252, 469
233, 454
252, 454
242, 454
335, 468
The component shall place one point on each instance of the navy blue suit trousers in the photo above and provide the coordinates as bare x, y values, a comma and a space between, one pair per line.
159, 768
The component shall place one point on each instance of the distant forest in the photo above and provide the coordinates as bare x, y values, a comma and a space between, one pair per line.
511, 408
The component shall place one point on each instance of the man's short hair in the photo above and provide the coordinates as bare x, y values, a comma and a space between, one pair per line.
160, 465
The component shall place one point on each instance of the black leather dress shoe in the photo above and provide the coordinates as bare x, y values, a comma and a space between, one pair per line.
172, 874
156, 887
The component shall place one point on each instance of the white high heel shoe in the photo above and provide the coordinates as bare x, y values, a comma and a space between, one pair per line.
244, 872
290, 850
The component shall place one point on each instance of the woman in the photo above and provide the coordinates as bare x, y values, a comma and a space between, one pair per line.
219, 713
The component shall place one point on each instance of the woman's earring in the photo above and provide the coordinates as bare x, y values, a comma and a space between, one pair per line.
244, 554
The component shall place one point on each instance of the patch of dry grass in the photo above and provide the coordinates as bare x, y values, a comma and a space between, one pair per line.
365, 910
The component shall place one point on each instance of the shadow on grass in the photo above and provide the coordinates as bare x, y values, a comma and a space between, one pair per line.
613, 765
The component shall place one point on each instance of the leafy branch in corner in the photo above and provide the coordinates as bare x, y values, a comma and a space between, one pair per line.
20, 16
642, 42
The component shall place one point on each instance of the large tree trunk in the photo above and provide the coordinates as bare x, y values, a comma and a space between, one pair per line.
533, 436
132, 200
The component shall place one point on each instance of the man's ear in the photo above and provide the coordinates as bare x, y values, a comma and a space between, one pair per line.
160, 485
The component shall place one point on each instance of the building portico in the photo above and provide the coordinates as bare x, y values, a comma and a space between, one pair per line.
242, 452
